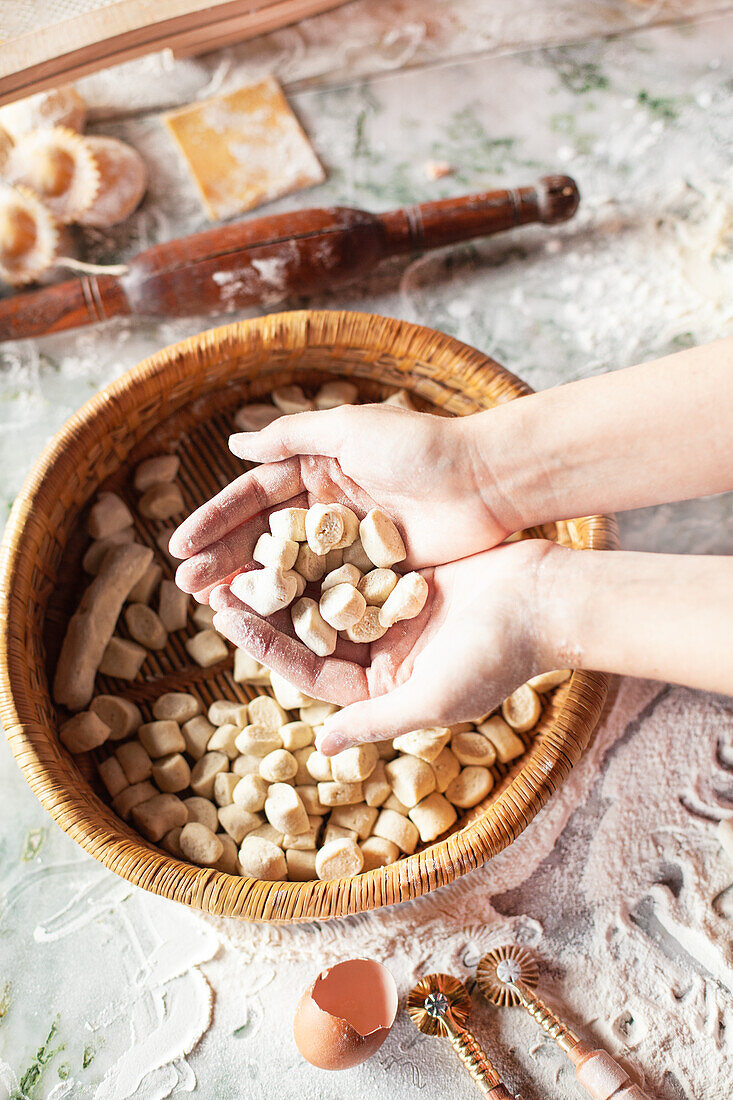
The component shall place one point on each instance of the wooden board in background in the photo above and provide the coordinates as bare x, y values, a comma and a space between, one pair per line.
128, 29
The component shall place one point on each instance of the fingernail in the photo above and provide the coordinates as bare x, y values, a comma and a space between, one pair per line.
330, 743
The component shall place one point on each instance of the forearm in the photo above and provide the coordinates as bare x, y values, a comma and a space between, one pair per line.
647, 435
658, 616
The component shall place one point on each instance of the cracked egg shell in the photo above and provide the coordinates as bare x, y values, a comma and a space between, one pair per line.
346, 1014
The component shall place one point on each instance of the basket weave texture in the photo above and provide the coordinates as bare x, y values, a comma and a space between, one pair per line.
183, 397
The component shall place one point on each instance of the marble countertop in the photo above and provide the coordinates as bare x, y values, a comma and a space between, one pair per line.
108, 992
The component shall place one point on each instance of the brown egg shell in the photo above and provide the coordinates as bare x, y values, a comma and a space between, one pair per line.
345, 1014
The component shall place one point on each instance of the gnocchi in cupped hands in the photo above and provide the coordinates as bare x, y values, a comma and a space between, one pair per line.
358, 600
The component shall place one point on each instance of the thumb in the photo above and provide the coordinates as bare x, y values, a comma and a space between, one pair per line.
306, 433
399, 711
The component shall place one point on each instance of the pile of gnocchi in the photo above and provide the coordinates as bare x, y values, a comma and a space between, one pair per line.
239, 786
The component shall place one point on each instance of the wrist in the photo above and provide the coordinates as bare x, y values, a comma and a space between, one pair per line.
514, 476
559, 599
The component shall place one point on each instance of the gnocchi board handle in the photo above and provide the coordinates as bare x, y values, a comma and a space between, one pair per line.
270, 259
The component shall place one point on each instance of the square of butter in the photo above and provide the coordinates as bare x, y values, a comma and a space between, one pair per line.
244, 149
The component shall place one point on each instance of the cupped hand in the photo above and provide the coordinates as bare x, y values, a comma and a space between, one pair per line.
478, 637
423, 470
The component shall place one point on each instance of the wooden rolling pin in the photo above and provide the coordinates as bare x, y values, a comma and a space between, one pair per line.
273, 258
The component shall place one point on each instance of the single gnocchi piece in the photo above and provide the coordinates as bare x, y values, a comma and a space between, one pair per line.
284, 809
400, 830
197, 733
265, 590
356, 555
308, 564
354, 764
291, 399
318, 766
279, 766
203, 616
546, 681
145, 626
289, 523
266, 712
309, 797
224, 739
333, 394
135, 762
83, 732
427, 744
342, 574
202, 810
161, 737
339, 859
471, 785
411, 779
247, 670
225, 784
109, 514
376, 787
359, 818
134, 795
342, 606
158, 815
381, 540
205, 771
260, 858
288, 696
176, 706
228, 861
162, 501
330, 527
505, 741
340, 794
301, 865
250, 793
378, 852
143, 591
312, 629
405, 601
172, 773
122, 659
255, 740
223, 711
433, 816
522, 709
237, 821
156, 471
445, 768
368, 629
207, 648
112, 775
337, 832
376, 585
173, 606
274, 552
316, 713
200, 844
296, 735
473, 748
401, 399
255, 417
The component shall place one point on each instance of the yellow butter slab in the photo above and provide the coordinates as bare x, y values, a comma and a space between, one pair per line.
244, 149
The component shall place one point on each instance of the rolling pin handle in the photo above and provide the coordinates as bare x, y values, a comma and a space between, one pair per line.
557, 198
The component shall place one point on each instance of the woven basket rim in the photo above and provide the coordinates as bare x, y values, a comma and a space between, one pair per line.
78, 812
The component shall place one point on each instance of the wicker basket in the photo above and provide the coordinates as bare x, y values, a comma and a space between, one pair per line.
185, 395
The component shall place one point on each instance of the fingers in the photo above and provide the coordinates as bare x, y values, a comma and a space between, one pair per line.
306, 433
399, 711
244, 498
328, 678
222, 559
